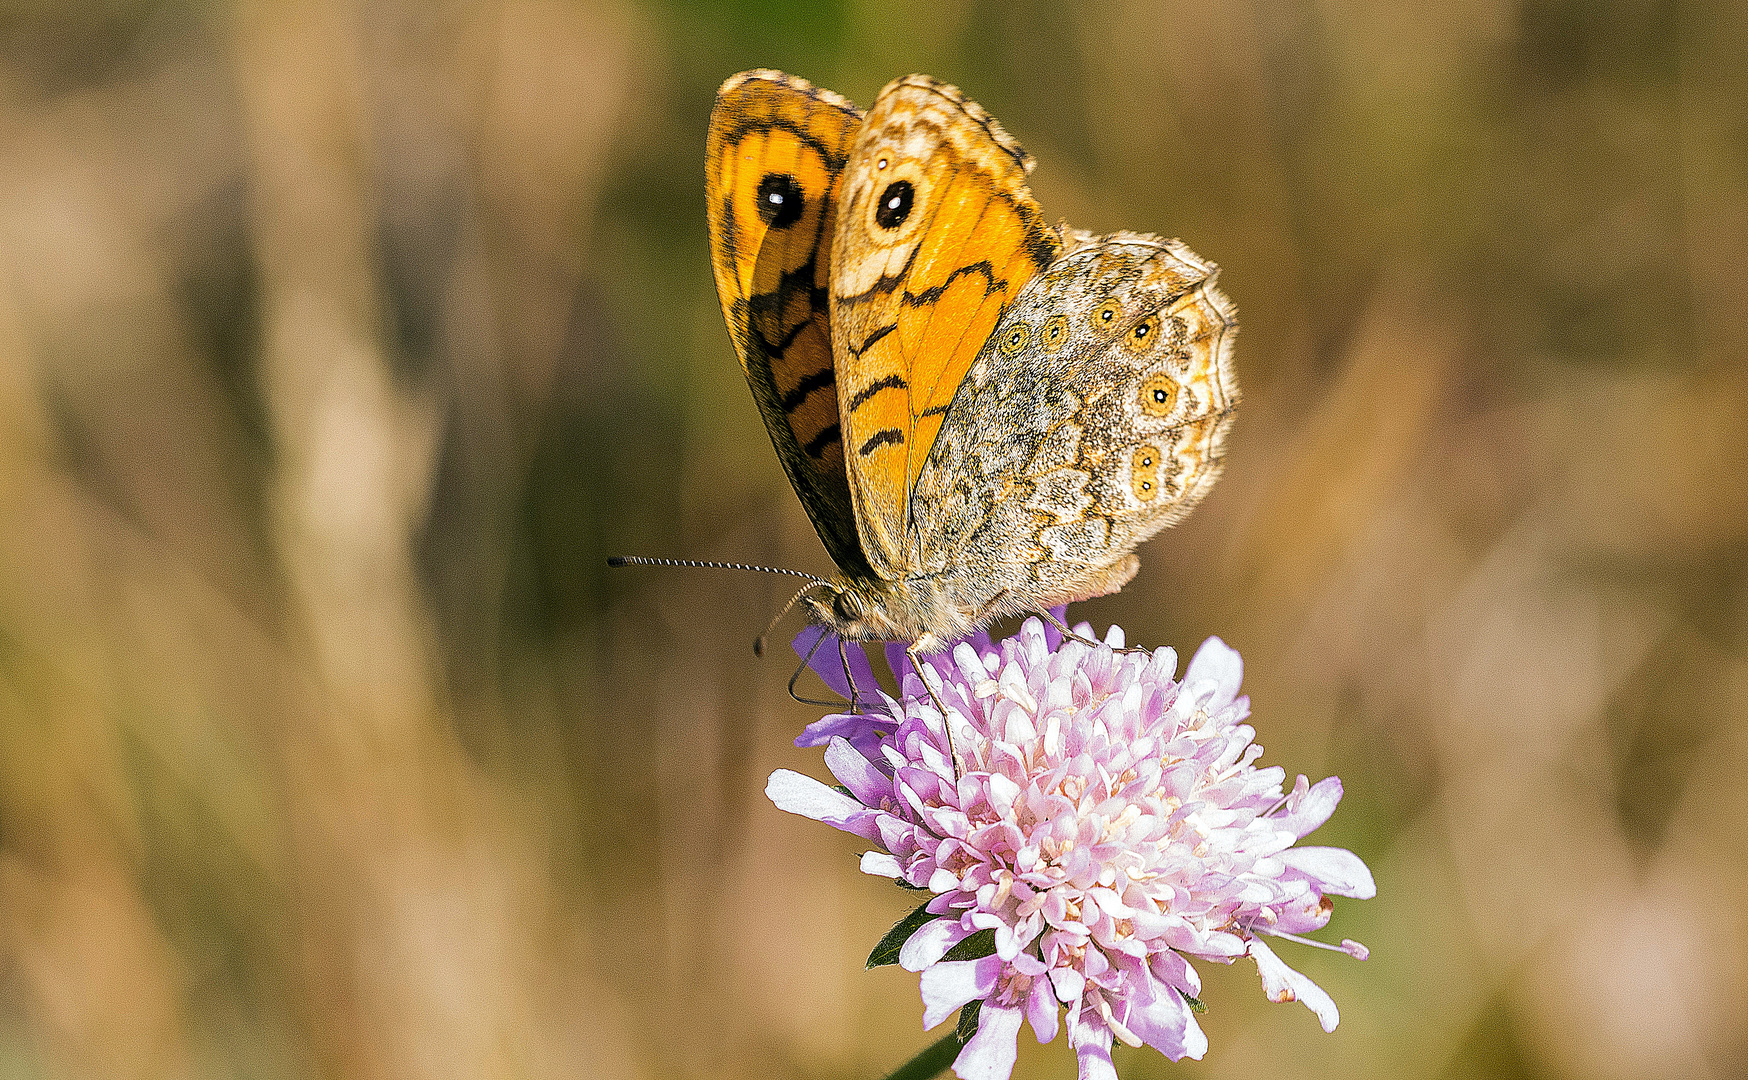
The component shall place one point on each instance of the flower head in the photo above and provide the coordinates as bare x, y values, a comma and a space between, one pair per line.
1098, 823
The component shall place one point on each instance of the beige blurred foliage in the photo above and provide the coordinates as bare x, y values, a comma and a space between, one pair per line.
341, 341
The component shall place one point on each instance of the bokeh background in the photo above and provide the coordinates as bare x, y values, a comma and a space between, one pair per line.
341, 341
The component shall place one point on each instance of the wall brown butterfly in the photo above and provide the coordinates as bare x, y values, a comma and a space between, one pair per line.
983, 414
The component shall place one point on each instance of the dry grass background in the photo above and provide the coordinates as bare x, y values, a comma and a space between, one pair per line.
339, 342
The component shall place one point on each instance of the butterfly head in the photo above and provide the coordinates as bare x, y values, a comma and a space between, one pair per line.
871, 609
847, 607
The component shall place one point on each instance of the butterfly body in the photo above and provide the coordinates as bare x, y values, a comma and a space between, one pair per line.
982, 414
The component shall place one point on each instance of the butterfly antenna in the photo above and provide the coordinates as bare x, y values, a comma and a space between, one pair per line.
759, 642
814, 581
639, 560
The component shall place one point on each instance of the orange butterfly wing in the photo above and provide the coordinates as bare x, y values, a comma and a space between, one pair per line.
773, 156
936, 232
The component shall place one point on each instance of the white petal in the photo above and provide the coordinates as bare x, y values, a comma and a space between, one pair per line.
1281, 983
1339, 870
1094, 1053
1002, 792
930, 943
806, 796
990, 1054
880, 864
948, 986
1220, 663
1165, 1022
1069, 984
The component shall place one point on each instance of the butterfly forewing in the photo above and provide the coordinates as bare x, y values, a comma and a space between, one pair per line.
776, 148
936, 234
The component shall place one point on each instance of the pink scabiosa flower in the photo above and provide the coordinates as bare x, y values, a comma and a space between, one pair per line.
1102, 826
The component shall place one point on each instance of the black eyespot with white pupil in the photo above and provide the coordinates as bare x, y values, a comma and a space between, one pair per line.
1055, 332
1141, 335
780, 200
1143, 476
1158, 395
894, 205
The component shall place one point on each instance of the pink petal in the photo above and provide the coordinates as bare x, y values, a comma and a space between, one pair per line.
829, 666
862, 729
1173, 970
1304, 916
868, 784
898, 660
990, 1054
1281, 983
946, 987
1312, 809
1041, 1010
1163, 1020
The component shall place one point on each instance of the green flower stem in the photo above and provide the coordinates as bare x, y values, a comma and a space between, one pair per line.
932, 1061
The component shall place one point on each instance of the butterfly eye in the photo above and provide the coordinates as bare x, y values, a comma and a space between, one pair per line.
1055, 333
894, 204
780, 200
1158, 395
1015, 339
1106, 315
1145, 333
1144, 473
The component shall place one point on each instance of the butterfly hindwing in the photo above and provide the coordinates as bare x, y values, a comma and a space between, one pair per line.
1095, 416
936, 234
776, 148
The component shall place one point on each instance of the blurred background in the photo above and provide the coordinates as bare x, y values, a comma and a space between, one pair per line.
341, 341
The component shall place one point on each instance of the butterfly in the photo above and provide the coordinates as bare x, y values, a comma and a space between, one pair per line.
983, 414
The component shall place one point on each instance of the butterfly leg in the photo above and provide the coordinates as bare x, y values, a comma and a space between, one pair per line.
1066, 632
805, 661
850, 676
1084, 640
914, 652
